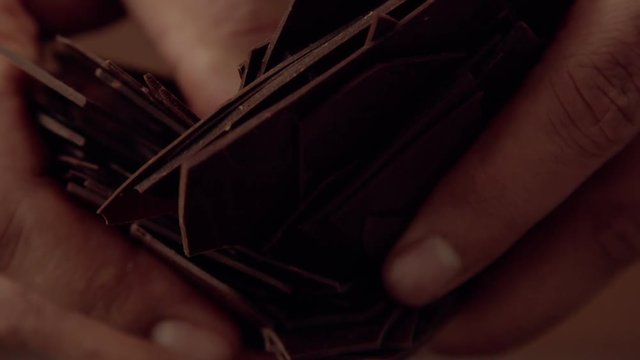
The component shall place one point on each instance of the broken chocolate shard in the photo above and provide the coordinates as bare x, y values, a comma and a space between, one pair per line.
283, 204
170, 102
251, 70
45, 77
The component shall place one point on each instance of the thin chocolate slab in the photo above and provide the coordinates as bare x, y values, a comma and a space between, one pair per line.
46, 78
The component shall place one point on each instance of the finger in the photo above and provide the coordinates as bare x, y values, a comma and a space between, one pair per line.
557, 268
67, 256
205, 41
579, 109
69, 16
19, 155
29, 324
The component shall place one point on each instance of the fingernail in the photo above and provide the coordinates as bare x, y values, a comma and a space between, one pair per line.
192, 341
422, 272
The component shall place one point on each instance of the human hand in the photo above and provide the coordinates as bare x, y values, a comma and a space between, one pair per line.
553, 183
59, 253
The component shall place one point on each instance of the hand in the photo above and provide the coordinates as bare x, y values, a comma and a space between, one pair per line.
554, 183
54, 251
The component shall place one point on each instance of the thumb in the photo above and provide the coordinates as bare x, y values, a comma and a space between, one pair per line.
204, 41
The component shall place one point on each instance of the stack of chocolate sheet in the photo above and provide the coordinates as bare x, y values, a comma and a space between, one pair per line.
283, 203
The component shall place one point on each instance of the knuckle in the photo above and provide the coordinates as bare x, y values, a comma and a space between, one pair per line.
620, 99
596, 103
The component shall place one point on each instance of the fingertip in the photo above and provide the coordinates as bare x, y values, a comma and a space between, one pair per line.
422, 271
202, 314
192, 341
403, 287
